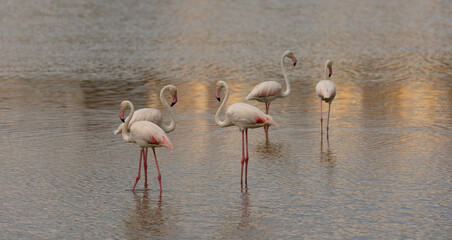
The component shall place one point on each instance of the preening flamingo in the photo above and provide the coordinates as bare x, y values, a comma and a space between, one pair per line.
326, 90
243, 116
270, 90
154, 115
145, 134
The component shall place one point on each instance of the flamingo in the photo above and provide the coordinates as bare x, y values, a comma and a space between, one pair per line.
145, 134
326, 90
154, 115
270, 90
243, 116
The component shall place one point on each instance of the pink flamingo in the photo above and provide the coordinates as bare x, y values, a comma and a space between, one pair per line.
154, 115
270, 90
326, 90
243, 116
145, 134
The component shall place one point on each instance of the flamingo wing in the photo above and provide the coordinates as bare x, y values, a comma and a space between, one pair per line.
245, 115
149, 134
147, 114
264, 90
143, 114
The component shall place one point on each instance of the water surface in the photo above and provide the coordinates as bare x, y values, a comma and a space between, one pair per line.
384, 172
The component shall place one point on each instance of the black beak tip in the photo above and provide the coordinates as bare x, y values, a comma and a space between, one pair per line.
329, 75
172, 104
295, 63
122, 119
218, 99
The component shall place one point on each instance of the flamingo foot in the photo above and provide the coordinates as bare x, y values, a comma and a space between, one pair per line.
241, 172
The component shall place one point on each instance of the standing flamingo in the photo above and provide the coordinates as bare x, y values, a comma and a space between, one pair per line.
145, 134
154, 115
270, 90
326, 90
243, 116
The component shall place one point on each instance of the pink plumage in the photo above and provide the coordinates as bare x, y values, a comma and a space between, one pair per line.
243, 116
326, 91
270, 90
154, 115
145, 134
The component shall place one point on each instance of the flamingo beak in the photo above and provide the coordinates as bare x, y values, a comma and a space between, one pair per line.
174, 100
294, 60
330, 72
121, 116
217, 95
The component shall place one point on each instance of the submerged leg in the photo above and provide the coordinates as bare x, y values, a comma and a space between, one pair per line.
139, 171
145, 164
243, 157
246, 158
158, 170
267, 108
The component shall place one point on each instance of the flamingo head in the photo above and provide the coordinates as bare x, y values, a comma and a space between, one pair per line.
329, 67
123, 107
289, 54
173, 92
219, 87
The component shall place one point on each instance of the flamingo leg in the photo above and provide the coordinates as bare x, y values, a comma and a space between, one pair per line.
267, 108
145, 164
328, 121
158, 170
243, 157
321, 119
139, 171
246, 158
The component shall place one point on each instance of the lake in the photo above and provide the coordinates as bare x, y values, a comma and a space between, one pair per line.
383, 173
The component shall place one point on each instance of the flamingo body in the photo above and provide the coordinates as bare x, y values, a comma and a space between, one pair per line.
148, 134
265, 92
144, 114
326, 90
246, 116
155, 115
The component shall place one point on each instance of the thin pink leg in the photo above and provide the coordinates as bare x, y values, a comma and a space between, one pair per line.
139, 171
321, 119
328, 121
243, 157
267, 108
246, 158
145, 163
158, 170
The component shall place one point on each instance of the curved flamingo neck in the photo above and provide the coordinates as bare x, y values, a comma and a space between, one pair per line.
287, 92
172, 125
327, 72
126, 126
222, 106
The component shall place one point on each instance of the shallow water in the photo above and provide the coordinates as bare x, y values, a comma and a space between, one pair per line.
384, 172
